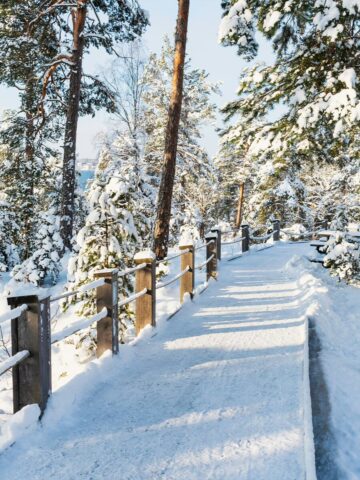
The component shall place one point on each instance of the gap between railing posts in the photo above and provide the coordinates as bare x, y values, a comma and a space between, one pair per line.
145, 307
187, 281
31, 331
211, 254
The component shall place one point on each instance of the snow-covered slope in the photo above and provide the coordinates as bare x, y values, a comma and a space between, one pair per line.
219, 392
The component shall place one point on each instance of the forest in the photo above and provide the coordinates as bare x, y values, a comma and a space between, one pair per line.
252, 250
301, 168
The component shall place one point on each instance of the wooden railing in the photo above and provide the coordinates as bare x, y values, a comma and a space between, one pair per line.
31, 321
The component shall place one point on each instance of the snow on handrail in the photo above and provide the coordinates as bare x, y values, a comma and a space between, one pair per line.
234, 241
14, 313
77, 326
133, 297
90, 286
202, 265
168, 259
131, 270
13, 361
204, 245
85, 288
162, 285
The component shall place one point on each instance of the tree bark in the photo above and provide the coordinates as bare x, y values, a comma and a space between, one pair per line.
72, 116
163, 214
29, 159
240, 207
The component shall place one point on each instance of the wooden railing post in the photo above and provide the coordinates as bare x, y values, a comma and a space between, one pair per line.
276, 230
218, 233
211, 249
245, 243
31, 332
108, 327
145, 278
187, 281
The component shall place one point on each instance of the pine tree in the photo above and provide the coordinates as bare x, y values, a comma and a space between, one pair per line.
94, 24
26, 136
314, 77
165, 195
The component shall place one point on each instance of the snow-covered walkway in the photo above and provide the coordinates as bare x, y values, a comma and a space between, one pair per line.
219, 392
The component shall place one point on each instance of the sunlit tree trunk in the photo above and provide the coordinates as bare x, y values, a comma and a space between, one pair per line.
240, 206
163, 214
72, 116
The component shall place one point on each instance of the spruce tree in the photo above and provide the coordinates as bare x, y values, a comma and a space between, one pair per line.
118, 224
26, 136
314, 77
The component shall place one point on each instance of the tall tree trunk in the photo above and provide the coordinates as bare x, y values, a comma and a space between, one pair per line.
72, 116
240, 207
163, 214
30, 111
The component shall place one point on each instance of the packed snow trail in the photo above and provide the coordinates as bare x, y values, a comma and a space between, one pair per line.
219, 392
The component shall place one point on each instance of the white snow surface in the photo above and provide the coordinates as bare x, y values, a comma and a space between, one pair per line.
219, 392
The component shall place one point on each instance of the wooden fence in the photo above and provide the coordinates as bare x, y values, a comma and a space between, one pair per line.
31, 322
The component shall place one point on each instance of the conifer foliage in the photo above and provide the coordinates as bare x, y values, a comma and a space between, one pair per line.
315, 80
118, 224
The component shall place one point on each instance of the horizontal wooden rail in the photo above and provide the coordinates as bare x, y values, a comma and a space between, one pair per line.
131, 299
16, 312
172, 280
202, 265
204, 245
128, 271
78, 326
169, 259
13, 361
83, 289
234, 241
31, 320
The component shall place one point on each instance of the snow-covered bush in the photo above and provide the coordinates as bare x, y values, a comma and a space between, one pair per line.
118, 224
343, 258
44, 264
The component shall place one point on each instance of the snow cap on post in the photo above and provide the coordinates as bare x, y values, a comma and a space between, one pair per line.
146, 256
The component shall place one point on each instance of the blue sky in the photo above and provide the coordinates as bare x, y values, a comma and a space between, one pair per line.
221, 63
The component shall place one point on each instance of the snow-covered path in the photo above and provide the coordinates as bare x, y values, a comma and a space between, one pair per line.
220, 392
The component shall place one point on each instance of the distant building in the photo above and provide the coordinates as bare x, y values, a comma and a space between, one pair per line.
87, 164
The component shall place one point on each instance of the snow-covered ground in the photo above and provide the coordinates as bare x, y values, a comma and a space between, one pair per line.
221, 391
334, 310
70, 357
218, 392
